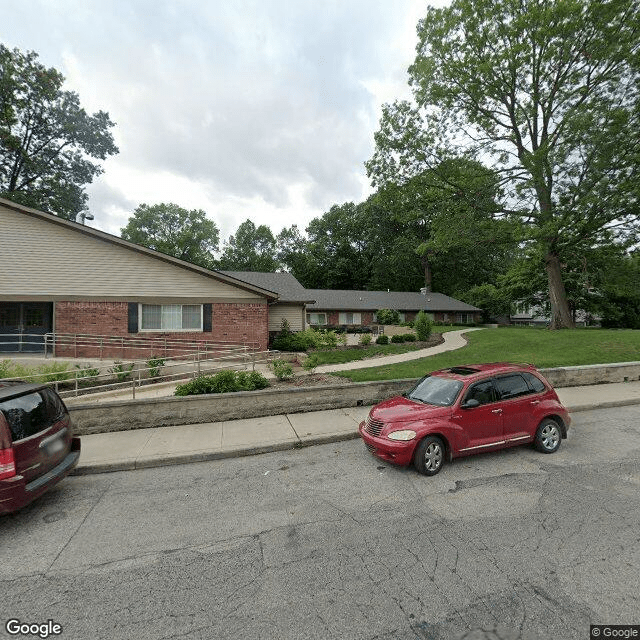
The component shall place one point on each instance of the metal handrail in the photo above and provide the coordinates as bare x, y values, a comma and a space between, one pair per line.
129, 369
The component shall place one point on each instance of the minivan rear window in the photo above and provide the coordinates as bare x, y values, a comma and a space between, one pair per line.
31, 413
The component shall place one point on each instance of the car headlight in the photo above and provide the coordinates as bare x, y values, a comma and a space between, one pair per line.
405, 434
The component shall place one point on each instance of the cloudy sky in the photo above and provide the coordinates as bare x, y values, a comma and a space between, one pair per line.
260, 109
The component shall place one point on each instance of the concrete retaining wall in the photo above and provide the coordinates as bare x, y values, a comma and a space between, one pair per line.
158, 412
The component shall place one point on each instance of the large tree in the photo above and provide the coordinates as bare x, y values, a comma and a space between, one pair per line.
250, 249
47, 140
178, 232
549, 90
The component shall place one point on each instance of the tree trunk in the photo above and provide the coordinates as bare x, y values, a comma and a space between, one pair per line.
427, 272
560, 312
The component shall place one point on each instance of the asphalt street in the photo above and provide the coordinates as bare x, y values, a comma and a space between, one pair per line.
328, 542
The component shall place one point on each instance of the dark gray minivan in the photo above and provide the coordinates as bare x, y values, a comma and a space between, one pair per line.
37, 447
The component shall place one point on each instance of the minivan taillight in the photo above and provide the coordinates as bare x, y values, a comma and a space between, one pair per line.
7, 460
7, 464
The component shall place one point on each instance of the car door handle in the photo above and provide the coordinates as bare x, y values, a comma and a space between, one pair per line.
496, 410
535, 402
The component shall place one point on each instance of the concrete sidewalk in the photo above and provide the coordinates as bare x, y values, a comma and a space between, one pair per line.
125, 450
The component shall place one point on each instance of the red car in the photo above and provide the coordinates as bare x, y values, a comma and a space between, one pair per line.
465, 410
37, 448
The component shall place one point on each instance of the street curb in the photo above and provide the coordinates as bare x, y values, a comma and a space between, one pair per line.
207, 456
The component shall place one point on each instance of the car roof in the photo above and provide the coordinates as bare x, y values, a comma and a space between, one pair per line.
474, 371
14, 388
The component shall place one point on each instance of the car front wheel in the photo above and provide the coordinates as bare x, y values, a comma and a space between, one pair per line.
429, 456
548, 436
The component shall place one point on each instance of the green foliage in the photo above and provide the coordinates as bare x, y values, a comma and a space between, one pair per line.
423, 326
86, 375
409, 337
525, 84
170, 229
250, 249
305, 340
494, 301
223, 382
398, 338
365, 339
382, 339
121, 371
310, 363
154, 365
388, 316
54, 372
282, 369
5, 369
47, 140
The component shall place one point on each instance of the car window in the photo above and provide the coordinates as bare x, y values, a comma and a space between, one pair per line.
512, 386
436, 390
26, 415
482, 392
534, 382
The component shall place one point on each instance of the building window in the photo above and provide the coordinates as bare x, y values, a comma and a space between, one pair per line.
316, 318
350, 318
171, 317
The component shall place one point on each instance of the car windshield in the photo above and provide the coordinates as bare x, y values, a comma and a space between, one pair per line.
434, 390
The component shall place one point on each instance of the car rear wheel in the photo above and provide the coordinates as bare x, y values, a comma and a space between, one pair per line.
548, 436
429, 456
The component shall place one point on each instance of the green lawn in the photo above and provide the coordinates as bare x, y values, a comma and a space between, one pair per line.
516, 344
351, 355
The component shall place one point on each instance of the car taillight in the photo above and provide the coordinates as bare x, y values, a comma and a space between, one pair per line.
7, 461
7, 464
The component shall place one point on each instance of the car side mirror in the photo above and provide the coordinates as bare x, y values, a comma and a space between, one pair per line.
471, 404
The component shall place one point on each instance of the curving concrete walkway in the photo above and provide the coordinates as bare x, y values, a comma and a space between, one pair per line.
452, 340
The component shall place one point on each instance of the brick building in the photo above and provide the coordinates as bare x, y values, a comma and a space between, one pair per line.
64, 278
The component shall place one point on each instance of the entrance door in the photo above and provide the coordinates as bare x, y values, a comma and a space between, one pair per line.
23, 325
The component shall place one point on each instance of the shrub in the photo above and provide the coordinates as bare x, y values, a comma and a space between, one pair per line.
388, 316
305, 340
121, 371
397, 338
365, 339
5, 369
223, 382
56, 372
85, 374
154, 364
342, 339
409, 337
311, 363
382, 339
282, 369
423, 326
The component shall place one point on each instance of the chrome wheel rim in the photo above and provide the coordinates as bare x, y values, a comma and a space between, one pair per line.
433, 457
550, 436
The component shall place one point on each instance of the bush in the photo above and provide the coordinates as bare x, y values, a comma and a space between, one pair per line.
388, 316
423, 326
397, 338
154, 364
305, 340
282, 369
311, 363
121, 371
410, 337
382, 339
365, 339
223, 382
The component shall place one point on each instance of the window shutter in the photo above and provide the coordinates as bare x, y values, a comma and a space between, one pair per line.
207, 310
133, 318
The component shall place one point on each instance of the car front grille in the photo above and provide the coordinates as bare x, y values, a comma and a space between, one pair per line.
370, 448
373, 426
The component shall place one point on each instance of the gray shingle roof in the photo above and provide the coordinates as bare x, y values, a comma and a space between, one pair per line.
290, 290
374, 300
284, 284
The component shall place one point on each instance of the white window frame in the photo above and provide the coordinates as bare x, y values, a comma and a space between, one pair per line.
356, 317
141, 329
317, 314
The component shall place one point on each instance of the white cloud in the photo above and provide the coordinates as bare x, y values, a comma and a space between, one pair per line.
261, 109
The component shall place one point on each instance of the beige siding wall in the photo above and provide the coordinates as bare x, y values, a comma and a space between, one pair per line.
293, 313
41, 260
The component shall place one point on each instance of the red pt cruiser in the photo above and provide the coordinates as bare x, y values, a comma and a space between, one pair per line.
465, 410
